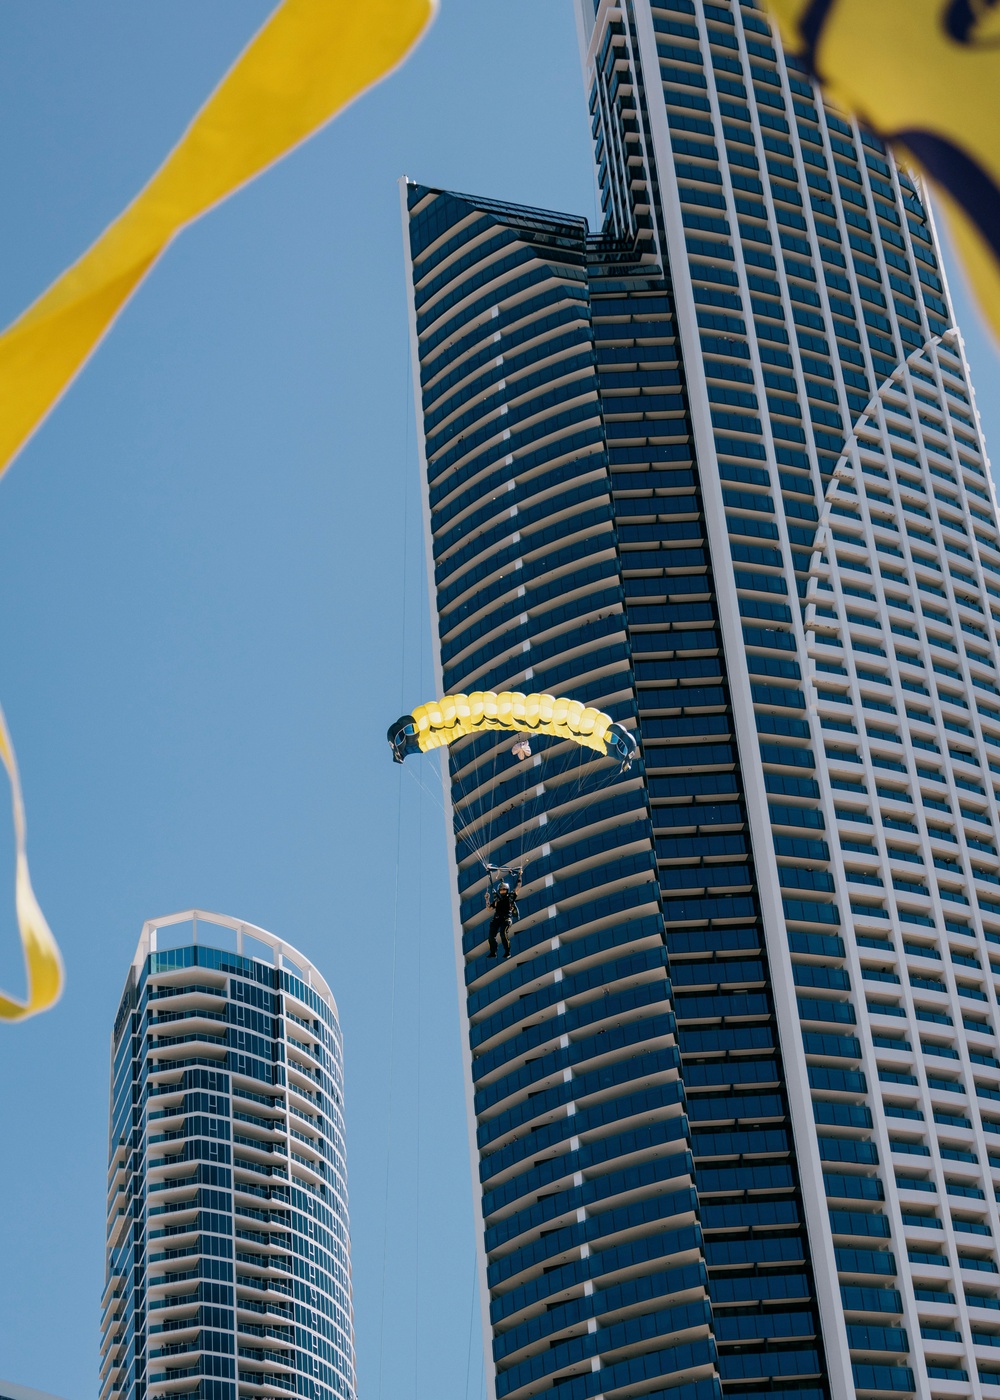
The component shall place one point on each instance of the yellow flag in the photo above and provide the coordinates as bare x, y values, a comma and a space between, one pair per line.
924, 74
310, 59
41, 956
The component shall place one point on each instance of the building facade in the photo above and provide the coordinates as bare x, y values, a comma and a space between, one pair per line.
228, 1245
717, 469
10, 1391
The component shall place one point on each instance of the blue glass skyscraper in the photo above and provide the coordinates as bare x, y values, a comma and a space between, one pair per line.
716, 468
228, 1248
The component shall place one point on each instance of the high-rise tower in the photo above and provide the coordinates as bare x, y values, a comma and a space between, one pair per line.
717, 469
228, 1252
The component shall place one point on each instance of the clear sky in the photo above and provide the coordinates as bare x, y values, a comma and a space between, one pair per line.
213, 601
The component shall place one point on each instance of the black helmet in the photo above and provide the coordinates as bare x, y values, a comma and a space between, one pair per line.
503, 887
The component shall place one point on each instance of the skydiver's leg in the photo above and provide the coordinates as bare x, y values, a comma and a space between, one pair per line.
504, 935
494, 925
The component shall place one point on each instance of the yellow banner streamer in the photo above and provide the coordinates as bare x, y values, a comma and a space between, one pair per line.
41, 956
924, 74
310, 59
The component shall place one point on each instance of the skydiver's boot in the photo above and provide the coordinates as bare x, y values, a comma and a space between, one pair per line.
505, 940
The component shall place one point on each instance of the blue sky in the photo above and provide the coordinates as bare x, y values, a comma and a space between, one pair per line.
205, 625
213, 600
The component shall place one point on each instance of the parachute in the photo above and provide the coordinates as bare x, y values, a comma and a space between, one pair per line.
443, 721
510, 799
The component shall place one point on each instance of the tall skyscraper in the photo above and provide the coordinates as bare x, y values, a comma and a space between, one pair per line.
228, 1249
717, 469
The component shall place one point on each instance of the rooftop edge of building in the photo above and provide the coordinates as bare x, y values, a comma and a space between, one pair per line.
10, 1391
245, 939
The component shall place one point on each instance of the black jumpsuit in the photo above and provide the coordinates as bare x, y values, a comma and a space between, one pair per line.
504, 906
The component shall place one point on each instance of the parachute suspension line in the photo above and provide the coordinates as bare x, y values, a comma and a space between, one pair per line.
564, 822
492, 808
580, 768
473, 799
533, 802
575, 786
524, 803
605, 780
464, 809
462, 830
528, 799
561, 824
576, 765
488, 791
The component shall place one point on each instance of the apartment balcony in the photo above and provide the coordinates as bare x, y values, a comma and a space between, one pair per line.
260, 1384
268, 1360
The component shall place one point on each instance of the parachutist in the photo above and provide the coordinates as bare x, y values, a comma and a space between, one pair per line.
502, 899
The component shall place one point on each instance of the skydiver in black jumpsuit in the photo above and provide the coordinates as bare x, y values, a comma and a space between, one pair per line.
503, 901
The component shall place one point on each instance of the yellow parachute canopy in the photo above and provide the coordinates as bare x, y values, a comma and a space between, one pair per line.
925, 74
443, 721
